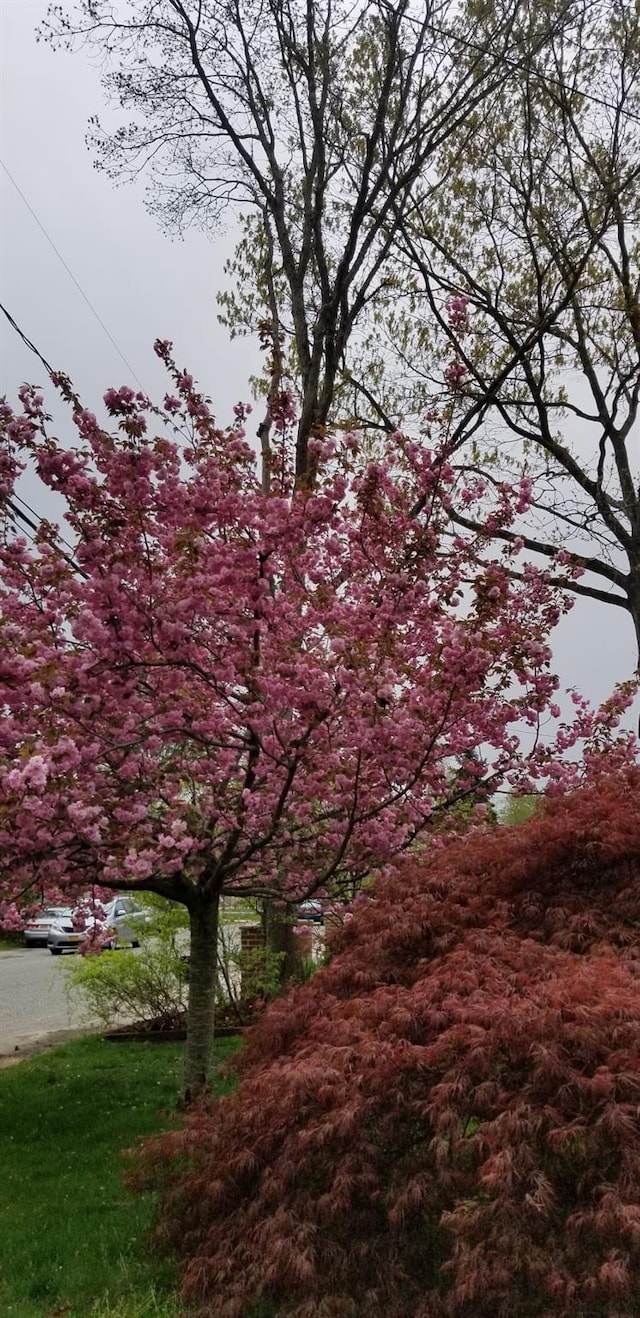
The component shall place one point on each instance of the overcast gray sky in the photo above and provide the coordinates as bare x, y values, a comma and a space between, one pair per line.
144, 285
141, 283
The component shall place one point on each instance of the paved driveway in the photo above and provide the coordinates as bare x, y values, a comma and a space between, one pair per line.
32, 998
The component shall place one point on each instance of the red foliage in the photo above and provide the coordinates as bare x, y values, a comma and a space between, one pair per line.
446, 1120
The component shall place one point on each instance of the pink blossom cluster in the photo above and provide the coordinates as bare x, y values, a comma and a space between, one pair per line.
457, 313
525, 494
473, 490
455, 373
282, 409
457, 309
32, 401
122, 401
508, 501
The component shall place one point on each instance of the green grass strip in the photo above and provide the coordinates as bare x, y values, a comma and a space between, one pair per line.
72, 1237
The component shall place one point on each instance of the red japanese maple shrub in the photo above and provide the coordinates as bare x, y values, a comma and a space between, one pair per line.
446, 1120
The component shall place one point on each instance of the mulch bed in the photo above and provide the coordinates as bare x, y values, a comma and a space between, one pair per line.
174, 1030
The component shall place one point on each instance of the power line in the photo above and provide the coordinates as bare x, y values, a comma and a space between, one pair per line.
18, 498
31, 346
16, 514
34, 531
71, 276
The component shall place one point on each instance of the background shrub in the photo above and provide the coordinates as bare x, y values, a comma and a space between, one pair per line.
146, 985
150, 985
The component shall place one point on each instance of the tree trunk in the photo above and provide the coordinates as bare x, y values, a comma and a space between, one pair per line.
280, 937
633, 595
203, 923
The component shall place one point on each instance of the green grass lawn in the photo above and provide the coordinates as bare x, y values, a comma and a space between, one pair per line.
72, 1237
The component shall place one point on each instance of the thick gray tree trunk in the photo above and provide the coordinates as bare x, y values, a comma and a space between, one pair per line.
203, 922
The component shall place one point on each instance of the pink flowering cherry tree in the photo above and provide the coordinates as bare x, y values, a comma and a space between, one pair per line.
208, 690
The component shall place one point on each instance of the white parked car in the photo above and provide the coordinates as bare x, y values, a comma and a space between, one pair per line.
35, 930
122, 922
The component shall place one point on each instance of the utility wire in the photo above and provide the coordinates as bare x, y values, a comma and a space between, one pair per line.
71, 276
32, 347
16, 513
18, 499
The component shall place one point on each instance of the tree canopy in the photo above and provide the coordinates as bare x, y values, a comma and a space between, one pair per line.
541, 248
211, 689
314, 121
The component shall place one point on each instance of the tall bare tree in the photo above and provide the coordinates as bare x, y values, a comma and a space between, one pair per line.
535, 219
313, 121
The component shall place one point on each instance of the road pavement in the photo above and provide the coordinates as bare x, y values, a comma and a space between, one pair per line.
33, 1003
